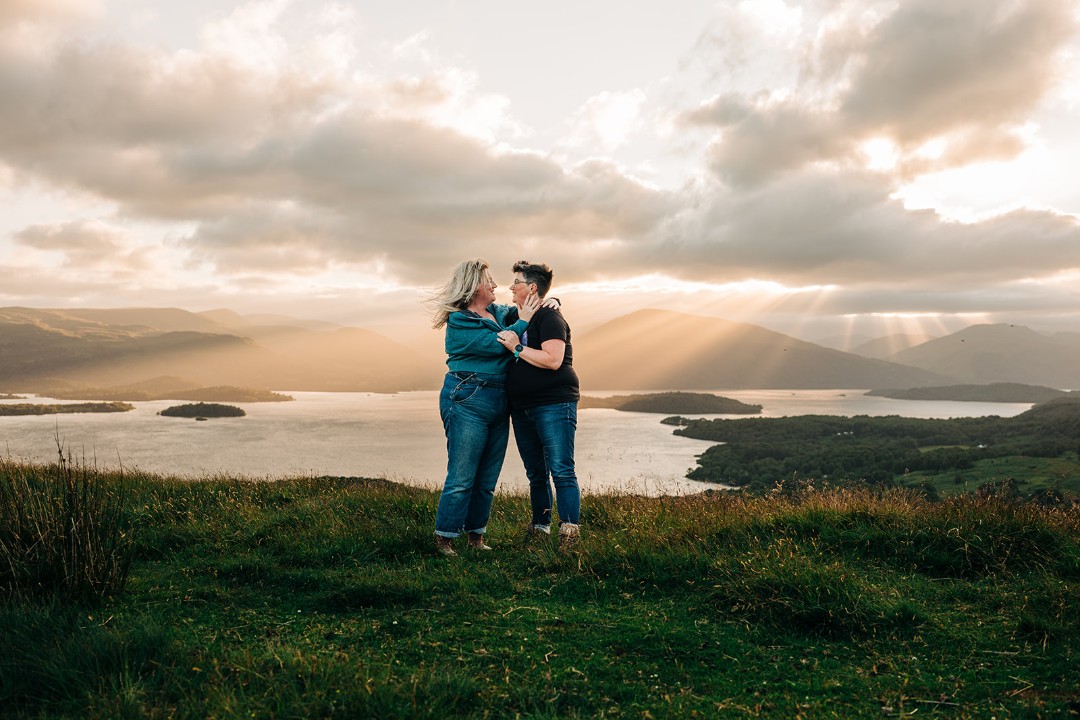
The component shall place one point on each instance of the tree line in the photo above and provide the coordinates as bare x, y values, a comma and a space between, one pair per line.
758, 453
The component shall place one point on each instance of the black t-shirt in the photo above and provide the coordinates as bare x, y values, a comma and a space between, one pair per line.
529, 386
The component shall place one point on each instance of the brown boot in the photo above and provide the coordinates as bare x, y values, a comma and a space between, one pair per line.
445, 546
476, 542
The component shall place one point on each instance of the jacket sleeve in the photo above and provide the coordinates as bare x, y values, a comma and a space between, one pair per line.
508, 318
469, 336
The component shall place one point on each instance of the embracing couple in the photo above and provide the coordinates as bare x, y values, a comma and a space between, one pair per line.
506, 362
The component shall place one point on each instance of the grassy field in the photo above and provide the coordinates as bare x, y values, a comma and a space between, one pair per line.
324, 598
1032, 475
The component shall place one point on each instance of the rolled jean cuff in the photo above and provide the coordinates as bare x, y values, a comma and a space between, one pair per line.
478, 531
445, 534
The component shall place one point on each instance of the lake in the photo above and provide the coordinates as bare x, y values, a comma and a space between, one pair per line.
400, 437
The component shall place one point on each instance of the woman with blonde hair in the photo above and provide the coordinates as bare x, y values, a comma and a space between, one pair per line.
473, 402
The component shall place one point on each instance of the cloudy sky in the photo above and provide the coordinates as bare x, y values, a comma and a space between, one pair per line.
818, 167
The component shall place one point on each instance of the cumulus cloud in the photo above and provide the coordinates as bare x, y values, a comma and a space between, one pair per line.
965, 73
275, 157
278, 167
838, 227
94, 249
416, 197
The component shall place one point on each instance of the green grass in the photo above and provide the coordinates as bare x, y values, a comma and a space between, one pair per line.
65, 531
1032, 474
324, 598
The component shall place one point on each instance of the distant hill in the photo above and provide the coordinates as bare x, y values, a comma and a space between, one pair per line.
68, 408
161, 388
109, 348
842, 342
663, 350
235, 321
992, 392
982, 354
1065, 410
882, 347
1069, 339
111, 322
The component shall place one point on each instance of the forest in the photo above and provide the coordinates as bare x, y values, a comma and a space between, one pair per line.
759, 453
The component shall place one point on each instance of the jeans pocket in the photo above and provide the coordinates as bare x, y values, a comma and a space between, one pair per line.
464, 392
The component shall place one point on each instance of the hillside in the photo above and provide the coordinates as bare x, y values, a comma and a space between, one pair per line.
646, 350
107, 348
248, 324
1000, 353
323, 598
992, 392
662, 350
882, 347
1036, 450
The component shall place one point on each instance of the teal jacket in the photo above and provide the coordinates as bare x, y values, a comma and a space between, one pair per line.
470, 340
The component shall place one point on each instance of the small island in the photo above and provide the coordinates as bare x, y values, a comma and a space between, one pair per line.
672, 402
202, 411
991, 392
9, 396
59, 409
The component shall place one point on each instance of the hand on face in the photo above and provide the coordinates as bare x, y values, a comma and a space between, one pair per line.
529, 307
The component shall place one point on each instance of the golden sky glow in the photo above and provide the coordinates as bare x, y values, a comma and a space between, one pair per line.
821, 168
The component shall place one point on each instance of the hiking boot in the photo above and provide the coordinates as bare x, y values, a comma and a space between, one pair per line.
476, 542
569, 536
445, 546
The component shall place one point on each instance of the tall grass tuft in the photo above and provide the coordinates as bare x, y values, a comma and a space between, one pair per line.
65, 532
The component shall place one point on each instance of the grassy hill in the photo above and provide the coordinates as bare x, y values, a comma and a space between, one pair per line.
662, 350
324, 598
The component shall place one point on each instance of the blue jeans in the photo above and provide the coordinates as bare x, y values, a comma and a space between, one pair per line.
545, 440
476, 419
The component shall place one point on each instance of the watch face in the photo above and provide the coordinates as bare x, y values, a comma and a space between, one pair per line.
518, 348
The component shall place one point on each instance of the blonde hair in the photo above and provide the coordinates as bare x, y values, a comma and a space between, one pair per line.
456, 294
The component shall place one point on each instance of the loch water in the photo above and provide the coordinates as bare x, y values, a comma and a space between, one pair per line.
400, 437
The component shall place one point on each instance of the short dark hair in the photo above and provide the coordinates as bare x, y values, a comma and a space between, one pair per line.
538, 273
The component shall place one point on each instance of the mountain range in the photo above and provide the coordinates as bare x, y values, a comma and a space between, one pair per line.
662, 350
1000, 353
106, 348
645, 350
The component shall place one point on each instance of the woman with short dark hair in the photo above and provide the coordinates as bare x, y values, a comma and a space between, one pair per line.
543, 391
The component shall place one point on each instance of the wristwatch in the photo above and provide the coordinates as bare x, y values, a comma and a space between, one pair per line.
517, 349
